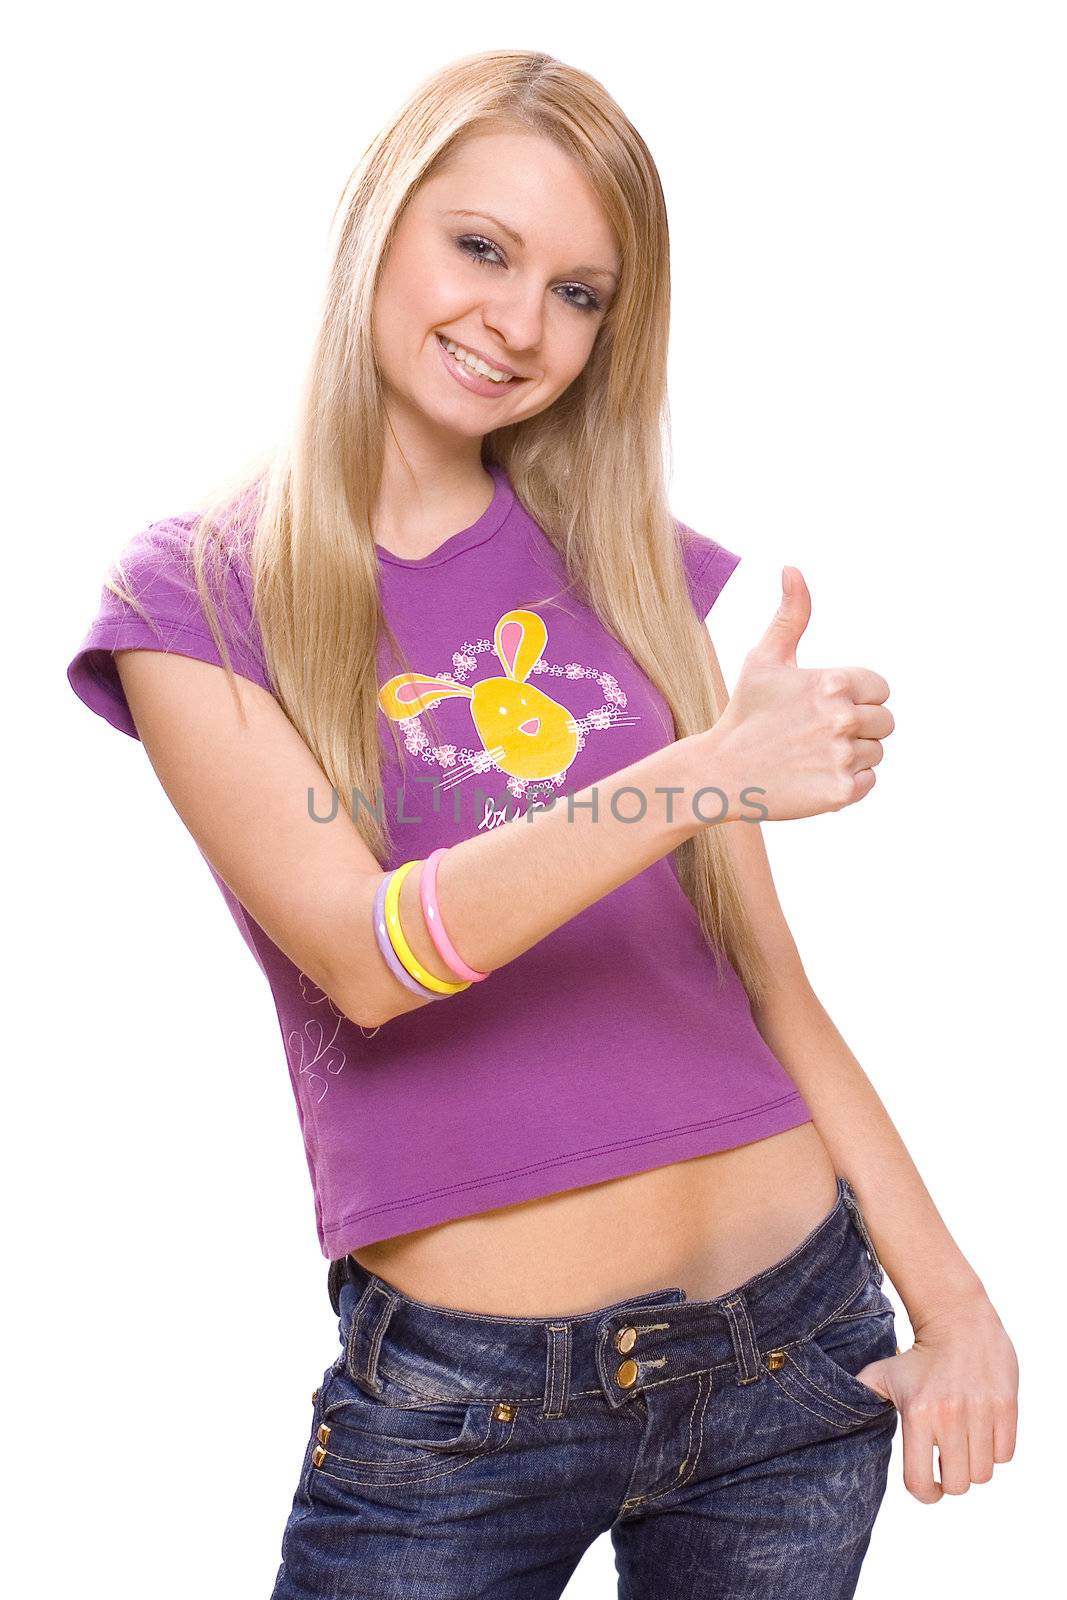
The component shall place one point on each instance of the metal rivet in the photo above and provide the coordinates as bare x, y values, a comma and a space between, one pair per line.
775, 1359
625, 1340
503, 1412
323, 1434
314, 1396
318, 1456
627, 1374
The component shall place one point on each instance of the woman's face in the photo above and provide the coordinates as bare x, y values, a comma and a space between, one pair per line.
531, 304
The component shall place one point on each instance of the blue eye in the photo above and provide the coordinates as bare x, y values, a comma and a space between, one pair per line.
591, 301
470, 239
469, 243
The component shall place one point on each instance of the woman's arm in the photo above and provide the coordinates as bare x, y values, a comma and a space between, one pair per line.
957, 1386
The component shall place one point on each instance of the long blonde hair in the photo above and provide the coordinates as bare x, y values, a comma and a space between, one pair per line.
590, 469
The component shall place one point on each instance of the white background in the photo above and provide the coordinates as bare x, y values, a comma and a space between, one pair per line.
868, 357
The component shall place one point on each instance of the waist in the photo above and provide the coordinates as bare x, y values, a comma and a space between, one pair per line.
703, 1224
393, 1338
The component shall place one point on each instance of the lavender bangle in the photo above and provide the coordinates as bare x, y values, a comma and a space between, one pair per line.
385, 945
431, 912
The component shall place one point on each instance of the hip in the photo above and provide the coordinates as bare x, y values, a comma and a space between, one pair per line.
723, 1440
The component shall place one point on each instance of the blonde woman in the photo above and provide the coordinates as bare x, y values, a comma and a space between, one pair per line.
606, 1197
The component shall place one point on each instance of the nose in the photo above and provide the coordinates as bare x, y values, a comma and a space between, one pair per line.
516, 317
531, 725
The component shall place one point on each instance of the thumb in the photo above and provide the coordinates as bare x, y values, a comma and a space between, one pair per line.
874, 1375
778, 647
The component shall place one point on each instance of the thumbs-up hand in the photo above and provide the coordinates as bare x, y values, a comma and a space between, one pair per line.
803, 739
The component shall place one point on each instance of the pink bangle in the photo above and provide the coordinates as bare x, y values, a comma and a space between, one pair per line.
431, 912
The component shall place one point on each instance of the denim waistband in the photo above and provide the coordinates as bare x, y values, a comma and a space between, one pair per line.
661, 1336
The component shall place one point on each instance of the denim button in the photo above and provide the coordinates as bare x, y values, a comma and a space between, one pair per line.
625, 1340
626, 1374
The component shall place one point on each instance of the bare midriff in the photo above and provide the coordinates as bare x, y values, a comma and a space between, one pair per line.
703, 1225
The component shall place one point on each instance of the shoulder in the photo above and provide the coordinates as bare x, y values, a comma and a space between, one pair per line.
707, 563
158, 564
150, 600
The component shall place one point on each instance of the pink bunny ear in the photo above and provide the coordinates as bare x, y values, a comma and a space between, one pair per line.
411, 692
520, 641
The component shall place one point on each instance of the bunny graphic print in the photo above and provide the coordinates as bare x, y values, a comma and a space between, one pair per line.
524, 732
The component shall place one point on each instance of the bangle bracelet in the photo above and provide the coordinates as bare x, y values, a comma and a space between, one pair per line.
396, 937
431, 913
389, 955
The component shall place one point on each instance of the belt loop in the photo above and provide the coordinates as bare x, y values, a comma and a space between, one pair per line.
557, 1369
370, 1319
337, 1275
848, 1194
743, 1334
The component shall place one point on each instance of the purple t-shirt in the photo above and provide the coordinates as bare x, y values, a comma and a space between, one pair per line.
607, 1048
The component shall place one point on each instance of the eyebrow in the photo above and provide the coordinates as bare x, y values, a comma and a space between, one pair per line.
590, 272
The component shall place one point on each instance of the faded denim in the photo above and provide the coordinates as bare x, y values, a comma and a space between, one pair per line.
725, 1445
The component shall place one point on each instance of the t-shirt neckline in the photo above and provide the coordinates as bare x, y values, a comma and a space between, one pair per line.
491, 519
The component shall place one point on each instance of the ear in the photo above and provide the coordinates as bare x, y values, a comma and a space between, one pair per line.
520, 640
411, 692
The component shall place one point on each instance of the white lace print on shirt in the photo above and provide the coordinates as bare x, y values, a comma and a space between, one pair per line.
315, 1045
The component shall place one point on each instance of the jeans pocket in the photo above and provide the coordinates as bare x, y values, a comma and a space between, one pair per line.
818, 1372
361, 1438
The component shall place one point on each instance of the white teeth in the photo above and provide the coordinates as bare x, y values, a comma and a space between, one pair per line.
475, 363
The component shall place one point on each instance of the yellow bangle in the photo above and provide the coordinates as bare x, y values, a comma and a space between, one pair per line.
399, 943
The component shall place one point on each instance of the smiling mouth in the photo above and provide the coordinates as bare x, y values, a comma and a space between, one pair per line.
490, 377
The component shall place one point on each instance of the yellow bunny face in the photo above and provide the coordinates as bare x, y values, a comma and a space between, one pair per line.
524, 731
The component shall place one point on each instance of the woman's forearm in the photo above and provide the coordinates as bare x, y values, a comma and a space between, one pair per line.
926, 1266
544, 867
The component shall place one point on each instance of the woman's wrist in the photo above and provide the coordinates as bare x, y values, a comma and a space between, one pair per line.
963, 1294
713, 784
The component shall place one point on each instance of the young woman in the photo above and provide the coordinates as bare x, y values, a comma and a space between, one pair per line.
606, 1197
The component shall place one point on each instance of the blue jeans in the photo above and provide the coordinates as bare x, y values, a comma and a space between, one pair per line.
725, 1444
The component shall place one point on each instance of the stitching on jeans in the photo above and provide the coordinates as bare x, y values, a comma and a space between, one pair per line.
384, 1317
832, 1399
394, 1482
859, 1316
861, 1227
692, 1455
840, 1422
553, 1347
550, 1381
565, 1393
824, 1394
832, 1421
404, 1382
395, 1438
575, 1394
836, 1314
602, 1313
350, 1343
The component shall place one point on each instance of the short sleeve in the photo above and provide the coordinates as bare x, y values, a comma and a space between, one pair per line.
158, 570
707, 567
